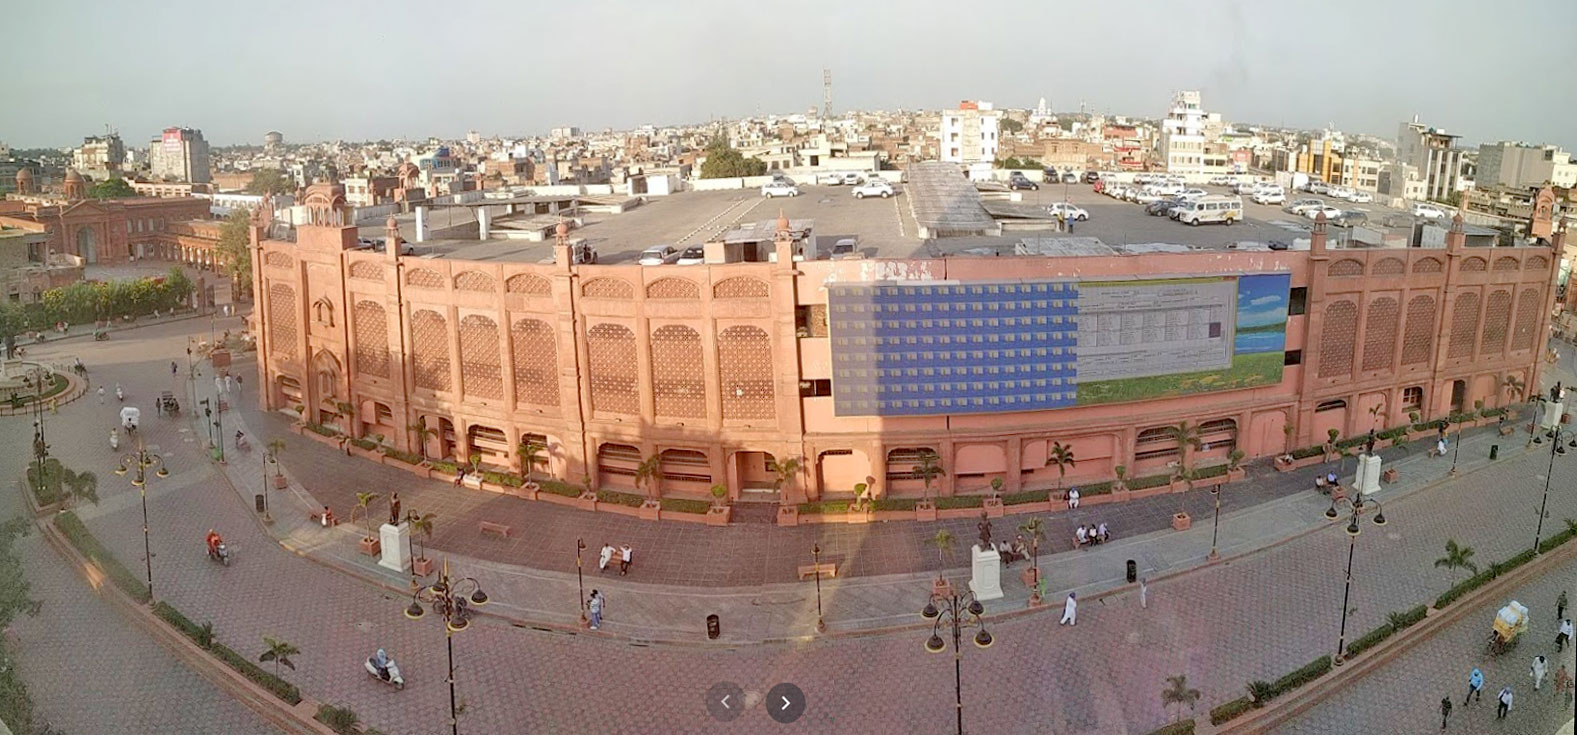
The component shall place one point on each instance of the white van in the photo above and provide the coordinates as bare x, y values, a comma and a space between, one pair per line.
1209, 209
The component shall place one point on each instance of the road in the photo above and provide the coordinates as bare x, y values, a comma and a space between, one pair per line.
1254, 618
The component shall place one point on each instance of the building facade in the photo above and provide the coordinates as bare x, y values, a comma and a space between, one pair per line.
860, 366
97, 230
100, 156
180, 154
969, 133
1521, 166
1434, 153
1183, 135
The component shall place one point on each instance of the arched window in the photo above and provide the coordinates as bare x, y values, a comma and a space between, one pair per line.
480, 374
612, 364
678, 384
430, 350
1338, 338
744, 366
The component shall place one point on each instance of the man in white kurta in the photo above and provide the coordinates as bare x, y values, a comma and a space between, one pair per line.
1070, 610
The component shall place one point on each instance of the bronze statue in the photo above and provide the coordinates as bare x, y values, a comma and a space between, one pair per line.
985, 532
394, 509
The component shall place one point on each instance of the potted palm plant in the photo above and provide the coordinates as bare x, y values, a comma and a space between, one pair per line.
1060, 455
531, 455
1184, 474
275, 447
993, 502
929, 468
718, 514
1035, 531
1235, 469
421, 532
369, 543
943, 540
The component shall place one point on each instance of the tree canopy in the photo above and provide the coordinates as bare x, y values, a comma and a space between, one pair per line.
723, 162
270, 181
235, 241
112, 188
1009, 125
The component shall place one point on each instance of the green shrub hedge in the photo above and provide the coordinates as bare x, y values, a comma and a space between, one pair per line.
1307, 452
342, 720
502, 478
825, 506
366, 444
1141, 483
561, 488
1313, 670
1095, 488
1465, 586
1211, 471
960, 501
321, 430
406, 457
1223, 713
79, 536
50, 490
1186, 727
895, 503
618, 498
279, 687
686, 505
180, 622
1027, 496
445, 465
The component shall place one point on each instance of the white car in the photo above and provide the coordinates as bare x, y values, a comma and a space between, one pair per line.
658, 255
1145, 197
1221, 181
779, 189
1341, 192
1428, 212
1167, 189
832, 178
1325, 209
1360, 197
692, 256
1269, 195
873, 188
1302, 205
1193, 193
1243, 186
1072, 211
1319, 187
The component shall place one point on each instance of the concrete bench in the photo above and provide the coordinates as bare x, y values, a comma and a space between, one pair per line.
486, 527
827, 569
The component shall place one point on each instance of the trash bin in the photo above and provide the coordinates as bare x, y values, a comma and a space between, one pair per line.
1133, 572
713, 628
258, 501
1494, 451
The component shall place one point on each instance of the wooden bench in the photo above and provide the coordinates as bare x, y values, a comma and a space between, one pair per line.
827, 569
491, 527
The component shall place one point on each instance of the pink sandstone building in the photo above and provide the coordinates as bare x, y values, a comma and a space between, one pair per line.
856, 367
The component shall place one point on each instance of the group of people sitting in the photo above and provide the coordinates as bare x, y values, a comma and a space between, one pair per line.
1091, 535
1012, 552
606, 556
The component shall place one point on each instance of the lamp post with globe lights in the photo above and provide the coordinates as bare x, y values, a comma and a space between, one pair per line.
449, 600
1353, 529
141, 460
959, 612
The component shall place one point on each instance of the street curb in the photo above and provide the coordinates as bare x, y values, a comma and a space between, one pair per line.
1282, 709
297, 720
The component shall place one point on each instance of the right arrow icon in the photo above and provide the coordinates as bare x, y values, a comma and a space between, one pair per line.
786, 703
792, 703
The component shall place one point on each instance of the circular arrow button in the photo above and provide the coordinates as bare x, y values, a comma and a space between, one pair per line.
785, 703
726, 701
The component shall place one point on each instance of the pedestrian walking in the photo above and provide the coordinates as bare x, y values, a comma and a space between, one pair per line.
1144, 593
1073, 497
595, 606
229, 384
1563, 683
219, 385
1445, 711
101, 395
1070, 610
174, 370
1564, 635
1475, 687
1505, 703
624, 559
1103, 533
1540, 668
238, 384
1560, 606
604, 556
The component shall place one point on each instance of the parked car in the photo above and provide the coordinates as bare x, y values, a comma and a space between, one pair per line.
658, 255
1280, 245
695, 255
1325, 209
1091, 177
1221, 180
830, 178
844, 248
1360, 197
1269, 195
1070, 178
1073, 211
1019, 181
1319, 187
1160, 207
1165, 189
851, 179
1428, 212
1340, 192
1193, 193
1146, 198
1350, 218
1298, 206
877, 188
779, 189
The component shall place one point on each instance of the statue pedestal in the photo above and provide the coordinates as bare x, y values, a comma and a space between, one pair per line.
394, 540
1551, 416
1368, 477
986, 581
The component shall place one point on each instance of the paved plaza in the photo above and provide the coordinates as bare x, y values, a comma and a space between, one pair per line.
1253, 616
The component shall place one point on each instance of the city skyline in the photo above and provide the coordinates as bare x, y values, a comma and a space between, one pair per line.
633, 65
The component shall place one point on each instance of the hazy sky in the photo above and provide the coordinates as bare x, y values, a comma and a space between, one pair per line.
364, 70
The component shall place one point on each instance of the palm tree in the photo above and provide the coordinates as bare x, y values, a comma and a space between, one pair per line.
944, 549
1457, 557
279, 652
648, 472
421, 527
1060, 455
929, 468
1183, 473
1515, 387
1035, 530
422, 432
785, 471
531, 454
275, 447
1186, 436
348, 410
1177, 693
82, 485
364, 504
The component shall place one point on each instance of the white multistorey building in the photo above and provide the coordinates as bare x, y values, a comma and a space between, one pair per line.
180, 154
969, 133
1183, 135
1434, 153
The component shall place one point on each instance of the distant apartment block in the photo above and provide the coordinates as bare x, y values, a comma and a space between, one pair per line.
1434, 153
1520, 166
1183, 135
969, 133
180, 154
99, 157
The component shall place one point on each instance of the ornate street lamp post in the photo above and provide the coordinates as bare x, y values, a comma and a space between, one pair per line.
1353, 529
1555, 448
815, 553
141, 460
580, 545
958, 611
1215, 526
447, 599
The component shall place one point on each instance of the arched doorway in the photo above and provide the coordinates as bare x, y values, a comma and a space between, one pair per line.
751, 473
87, 245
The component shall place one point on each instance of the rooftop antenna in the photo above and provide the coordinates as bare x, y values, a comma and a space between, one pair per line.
826, 93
